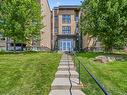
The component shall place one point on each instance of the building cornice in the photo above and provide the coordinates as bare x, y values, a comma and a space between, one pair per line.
68, 7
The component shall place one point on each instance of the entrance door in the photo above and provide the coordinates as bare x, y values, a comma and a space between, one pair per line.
66, 45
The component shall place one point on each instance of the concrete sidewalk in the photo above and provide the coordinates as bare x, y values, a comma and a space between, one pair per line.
66, 80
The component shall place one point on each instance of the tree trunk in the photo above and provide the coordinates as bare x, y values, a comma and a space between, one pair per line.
29, 45
21, 46
108, 49
7, 44
14, 45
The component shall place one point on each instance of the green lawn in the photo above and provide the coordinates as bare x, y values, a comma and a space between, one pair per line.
113, 76
27, 73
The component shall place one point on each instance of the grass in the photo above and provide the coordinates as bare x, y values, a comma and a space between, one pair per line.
113, 76
27, 73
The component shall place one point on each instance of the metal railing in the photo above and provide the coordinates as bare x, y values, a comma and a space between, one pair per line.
69, 77
85, 68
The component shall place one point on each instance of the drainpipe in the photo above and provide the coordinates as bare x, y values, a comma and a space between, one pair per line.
53, 42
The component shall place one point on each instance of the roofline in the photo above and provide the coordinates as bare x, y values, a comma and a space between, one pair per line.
67, 7
40, 1
48, 5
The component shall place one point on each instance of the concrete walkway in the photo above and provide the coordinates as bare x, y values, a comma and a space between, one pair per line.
66, 79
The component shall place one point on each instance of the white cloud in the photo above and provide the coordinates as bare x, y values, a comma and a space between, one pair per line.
58, 2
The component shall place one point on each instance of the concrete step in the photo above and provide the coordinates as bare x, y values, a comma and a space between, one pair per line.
66, 59
66, 92
64, 84
61, 84
65, 74
66, 67
66, 63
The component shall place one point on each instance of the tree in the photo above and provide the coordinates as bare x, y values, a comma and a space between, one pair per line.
105, 20
21, 20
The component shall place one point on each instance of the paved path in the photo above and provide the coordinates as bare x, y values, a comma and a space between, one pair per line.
66, 79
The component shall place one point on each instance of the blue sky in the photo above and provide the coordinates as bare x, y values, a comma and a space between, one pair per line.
55, 3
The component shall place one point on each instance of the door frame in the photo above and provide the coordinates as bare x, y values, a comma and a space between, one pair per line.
66, 41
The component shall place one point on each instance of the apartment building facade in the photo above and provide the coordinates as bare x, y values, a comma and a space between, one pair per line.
65, 31
45, 42
60, 32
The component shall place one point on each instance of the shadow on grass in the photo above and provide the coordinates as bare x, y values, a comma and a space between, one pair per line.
24, 52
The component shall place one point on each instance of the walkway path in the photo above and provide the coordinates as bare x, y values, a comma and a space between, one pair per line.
66, 79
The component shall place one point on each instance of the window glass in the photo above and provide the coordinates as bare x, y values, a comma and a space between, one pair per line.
66, 30
76, 18
55, 29
77, 29
56, 18
66, 18
64, 45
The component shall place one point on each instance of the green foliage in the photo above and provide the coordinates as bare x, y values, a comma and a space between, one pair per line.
20, 20
106, 20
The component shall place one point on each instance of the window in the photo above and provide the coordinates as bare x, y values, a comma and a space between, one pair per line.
66, 30
55, 24
77, 28
55, 29
56, 18
76, 18
66, 18
2, 39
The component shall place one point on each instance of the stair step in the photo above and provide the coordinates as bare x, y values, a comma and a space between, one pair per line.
65, 74
66, 68
64, 84
61, 84
66, 63
66, 58
66, 92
